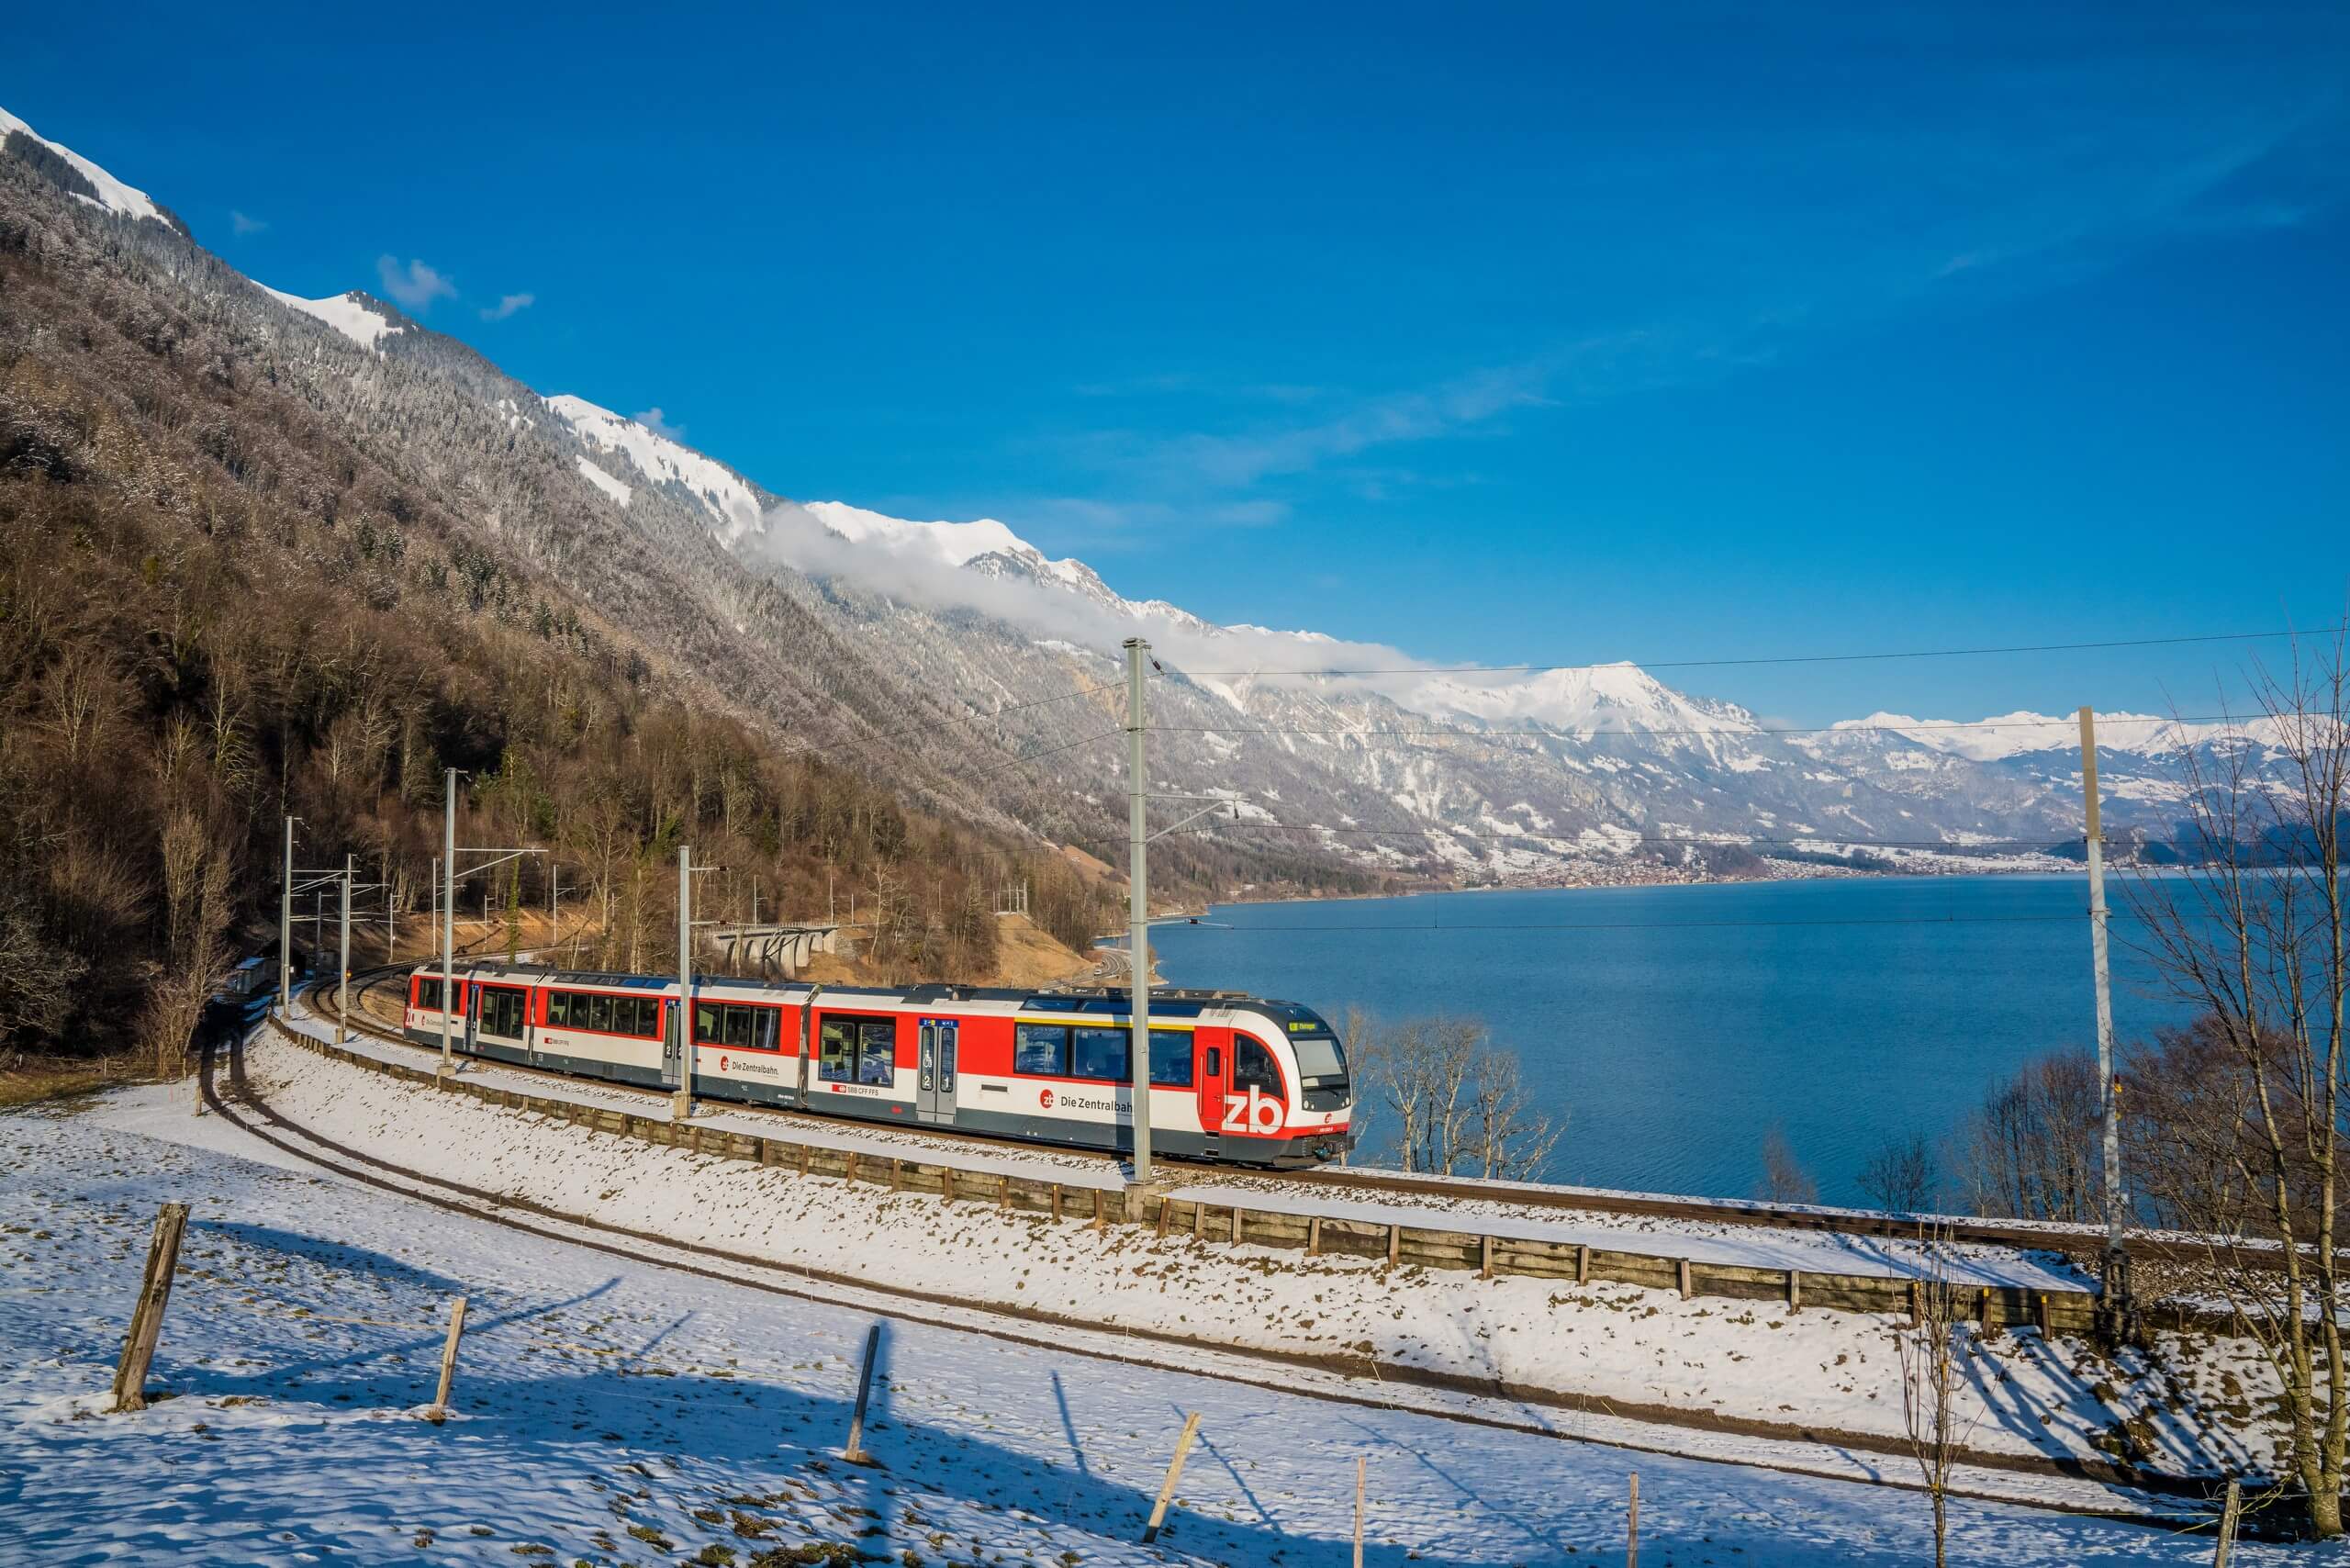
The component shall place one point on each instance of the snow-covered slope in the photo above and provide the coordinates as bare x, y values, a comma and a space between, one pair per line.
735, 506
2004, 735
1596, 773
105, 192
366, 321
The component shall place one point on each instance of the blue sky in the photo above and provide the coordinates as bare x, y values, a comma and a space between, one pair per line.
1538, 333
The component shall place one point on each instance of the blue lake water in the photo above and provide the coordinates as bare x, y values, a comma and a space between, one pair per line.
1674, 1025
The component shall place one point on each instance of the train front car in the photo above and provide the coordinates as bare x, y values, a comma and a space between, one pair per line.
1291, 1098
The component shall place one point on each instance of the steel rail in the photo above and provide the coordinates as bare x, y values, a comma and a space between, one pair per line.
2084, 1240
745, 1270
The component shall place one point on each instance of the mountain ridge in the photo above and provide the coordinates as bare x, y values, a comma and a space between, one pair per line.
1451, 775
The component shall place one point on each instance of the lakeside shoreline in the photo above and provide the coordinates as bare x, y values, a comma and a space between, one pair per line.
1697, 879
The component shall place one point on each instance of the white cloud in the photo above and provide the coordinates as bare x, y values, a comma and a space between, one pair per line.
508, 304
415, 287
799, 539
656, 422
242, 223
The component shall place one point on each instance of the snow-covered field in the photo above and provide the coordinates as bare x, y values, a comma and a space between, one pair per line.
1619, 1344
611, 1410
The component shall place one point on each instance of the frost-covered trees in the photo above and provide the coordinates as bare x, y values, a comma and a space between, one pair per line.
1458, 1103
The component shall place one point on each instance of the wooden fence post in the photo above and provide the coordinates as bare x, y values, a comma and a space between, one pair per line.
1485, 1257
1794, 1290
851, 1177
1237, 1212
1682, 1269
1358, 1469
1174, 1474
1056, 1203
1395, 1245
439, 1410
146, 1313
1166, 1216
1632, 1533
854, 1451
1101, 1215
1314, 1236
897, 1176
1583, 1265
2228, 1513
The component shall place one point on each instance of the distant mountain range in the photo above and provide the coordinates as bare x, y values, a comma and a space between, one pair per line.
947, 651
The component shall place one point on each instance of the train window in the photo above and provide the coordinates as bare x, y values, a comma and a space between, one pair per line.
1105, 1053
599, 1014
1170, 1059
877, 1051
1252, 1067
558, 1009
648, 1017
836, 1051
428, 993
1320, 1060
738, 1026
501, 1012
710, 1022
1041, 1048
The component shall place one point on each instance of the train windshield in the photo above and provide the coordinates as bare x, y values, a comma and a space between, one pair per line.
1320, 1059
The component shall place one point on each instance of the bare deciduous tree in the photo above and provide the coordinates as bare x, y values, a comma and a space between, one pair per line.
1900, 1175
196, 897
1785, 1180
1457, 1098
2030, 1151
1930, 1350
2252, 933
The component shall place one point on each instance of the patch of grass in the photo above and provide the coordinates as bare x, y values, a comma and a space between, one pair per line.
58, 1082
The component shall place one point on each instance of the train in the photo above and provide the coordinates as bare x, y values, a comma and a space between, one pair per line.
1234, 1079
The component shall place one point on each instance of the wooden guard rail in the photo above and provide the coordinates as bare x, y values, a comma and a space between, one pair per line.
1235, 1223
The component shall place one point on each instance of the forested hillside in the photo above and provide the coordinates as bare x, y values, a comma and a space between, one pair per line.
218, 605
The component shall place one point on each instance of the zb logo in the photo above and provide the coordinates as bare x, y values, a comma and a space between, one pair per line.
1242, 1115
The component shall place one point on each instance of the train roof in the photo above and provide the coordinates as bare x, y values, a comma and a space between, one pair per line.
1108, 1001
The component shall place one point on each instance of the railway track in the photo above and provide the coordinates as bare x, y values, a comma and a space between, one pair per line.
2076, 1240
2132, 1498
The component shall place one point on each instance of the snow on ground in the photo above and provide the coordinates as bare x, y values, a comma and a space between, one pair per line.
728, 498
603, 481
610, 1411
1726, 1242
113, 195
1607, 1342
1747, 1246
349, 314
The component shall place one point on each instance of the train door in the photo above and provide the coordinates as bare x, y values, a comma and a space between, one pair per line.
936, 1084
673, 1052
472, 1018
1212, 1069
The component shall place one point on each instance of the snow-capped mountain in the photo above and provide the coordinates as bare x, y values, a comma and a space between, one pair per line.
361, 318
80, 178
846, 626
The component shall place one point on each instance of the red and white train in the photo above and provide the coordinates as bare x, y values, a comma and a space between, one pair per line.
1232, 1078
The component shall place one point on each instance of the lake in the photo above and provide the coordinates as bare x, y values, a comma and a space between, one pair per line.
1674, 1025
